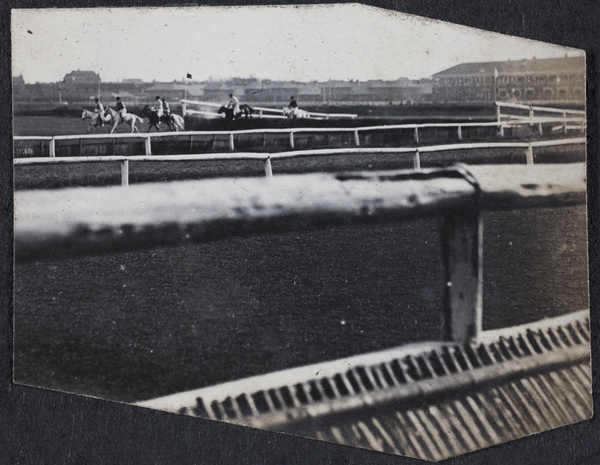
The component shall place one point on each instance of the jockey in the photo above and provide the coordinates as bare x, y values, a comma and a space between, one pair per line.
99, 108
166, 108
158, 107
234, 104
293, 105
120, 107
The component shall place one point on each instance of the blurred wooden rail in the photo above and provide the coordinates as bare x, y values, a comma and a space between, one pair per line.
59, 223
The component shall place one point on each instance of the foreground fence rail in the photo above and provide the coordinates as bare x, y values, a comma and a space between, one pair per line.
477, 387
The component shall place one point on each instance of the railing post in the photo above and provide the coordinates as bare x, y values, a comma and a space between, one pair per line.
462, 237
501, 130
529, 154
417, 135
125, 173
459, 133
356, 138
231, 144
291, 139
260, 113
498, 114
540, 128
148, 145
565, 118
268, 167
184, 109
52, 148
417, 160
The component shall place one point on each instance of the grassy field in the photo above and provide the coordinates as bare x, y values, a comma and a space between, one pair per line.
137, 325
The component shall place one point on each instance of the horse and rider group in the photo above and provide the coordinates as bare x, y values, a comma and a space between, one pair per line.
160, 112
233, 110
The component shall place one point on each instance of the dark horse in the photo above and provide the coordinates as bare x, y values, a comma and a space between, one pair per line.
155, 120
245, 110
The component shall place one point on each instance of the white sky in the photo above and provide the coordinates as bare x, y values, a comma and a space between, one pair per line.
304, 43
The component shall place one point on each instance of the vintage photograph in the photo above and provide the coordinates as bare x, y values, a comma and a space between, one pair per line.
348, 223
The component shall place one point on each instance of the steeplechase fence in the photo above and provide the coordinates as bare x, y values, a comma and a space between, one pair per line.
518, 114
429, 400
204, 109
268, 158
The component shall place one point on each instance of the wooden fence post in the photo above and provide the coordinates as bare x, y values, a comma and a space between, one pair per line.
231, 144
565, 122
501, 130
462, 237
291, 139
529, 154
498, 114
417, 135
268, 167
184, 109
52, 148
356, 138
148, 146
459, 133
417, 160
125, 173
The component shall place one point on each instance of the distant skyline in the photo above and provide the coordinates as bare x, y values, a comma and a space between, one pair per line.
301, 43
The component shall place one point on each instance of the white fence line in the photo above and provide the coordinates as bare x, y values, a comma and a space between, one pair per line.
538, 108
267, 158
291, 131
263, 112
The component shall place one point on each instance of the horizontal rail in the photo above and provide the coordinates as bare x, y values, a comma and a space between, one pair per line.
58, 223
536, 108
264, 109
282, 130
295, 153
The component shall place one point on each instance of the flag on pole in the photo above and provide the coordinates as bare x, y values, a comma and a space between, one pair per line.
189, 76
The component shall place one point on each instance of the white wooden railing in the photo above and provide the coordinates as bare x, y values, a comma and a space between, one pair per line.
52, 140
266, 158
569, 119
262, 112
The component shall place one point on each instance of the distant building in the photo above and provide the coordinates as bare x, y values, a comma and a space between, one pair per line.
536, 81
82, 78
78, 86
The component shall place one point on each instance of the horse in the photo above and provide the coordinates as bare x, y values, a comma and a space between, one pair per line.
173, 120
295, 113
178, 122
95, 117
128, 118
245, 110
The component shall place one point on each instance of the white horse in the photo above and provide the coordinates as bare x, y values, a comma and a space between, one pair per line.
295, 113
129, 119
178, 121
95, 117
